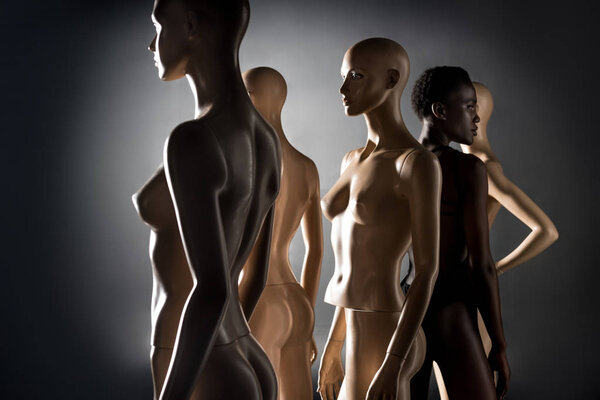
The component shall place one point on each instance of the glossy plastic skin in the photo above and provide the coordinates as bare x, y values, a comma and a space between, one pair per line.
503, 193
467, 278
222, 171
388, 195
283, 319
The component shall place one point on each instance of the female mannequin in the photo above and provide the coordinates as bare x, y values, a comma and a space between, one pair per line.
503, 193
388, 193
283, 319
445, 101
220, 208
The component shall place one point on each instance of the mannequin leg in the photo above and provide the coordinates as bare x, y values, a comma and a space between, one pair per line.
295, 377
271, 324
368, 336
440, 382
160, 358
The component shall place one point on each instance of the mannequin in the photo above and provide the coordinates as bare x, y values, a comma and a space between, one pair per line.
283, 319
221, 210
503, 193
445, 101
387, 195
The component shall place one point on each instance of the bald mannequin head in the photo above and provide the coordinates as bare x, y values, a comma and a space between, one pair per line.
267, 90
485, 102
375, 72
228, 18
386, 53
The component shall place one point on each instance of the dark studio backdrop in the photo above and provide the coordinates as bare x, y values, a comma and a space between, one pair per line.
84, 118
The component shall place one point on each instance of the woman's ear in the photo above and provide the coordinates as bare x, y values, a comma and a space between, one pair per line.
438, 110
393, 78
192, 24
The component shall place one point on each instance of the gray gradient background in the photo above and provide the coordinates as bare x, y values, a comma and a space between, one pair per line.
84, 118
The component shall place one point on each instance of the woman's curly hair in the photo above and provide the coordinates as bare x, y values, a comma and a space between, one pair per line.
435, 84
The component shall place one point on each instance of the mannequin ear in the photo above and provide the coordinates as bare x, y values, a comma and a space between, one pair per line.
438, 110
393, 78
192, 23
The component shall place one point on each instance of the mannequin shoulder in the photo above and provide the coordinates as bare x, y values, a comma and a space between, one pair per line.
349, 157
192, 145
418, 162
194, 134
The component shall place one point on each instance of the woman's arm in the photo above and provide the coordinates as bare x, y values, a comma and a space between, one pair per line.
421, 170
331, 372
196, 172
483, 271
543, 232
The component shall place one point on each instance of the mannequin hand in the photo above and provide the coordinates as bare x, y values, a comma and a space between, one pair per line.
331, 371
384, 385
313, 351
499, 363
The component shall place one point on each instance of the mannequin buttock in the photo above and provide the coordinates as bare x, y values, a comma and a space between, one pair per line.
238, 371
283, 322
367, 340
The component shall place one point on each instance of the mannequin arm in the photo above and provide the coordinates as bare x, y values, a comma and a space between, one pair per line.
483, 272
256, 268
196, 172
422, 172
312, 233
543, 232
331, 372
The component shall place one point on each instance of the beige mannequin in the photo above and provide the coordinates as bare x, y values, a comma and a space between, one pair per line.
387, 195
207, 212
283, 319
503, 193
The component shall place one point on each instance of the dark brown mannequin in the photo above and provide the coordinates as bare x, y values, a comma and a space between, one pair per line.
446, 102
283, 319
221, 209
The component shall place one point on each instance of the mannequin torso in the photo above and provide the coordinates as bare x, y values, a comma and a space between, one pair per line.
283, 319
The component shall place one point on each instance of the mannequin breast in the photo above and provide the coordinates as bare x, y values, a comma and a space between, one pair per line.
172, 278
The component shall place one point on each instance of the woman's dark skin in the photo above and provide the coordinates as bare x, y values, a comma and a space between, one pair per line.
467, 280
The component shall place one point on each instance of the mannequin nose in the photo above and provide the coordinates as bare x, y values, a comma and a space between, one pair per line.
152, 45
344, 88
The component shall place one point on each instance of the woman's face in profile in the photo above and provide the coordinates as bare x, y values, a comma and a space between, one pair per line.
364, 84
461, 120
172, 42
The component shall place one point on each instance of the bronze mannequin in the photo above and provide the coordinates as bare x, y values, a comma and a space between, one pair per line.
387, 195
222, 173
503, 193
283, 319
445, 101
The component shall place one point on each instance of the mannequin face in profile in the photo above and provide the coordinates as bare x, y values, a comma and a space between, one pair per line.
365, 82
171, 43
457, 116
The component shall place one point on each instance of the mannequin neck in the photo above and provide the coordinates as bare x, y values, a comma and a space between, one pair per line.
386, 128
215, 82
